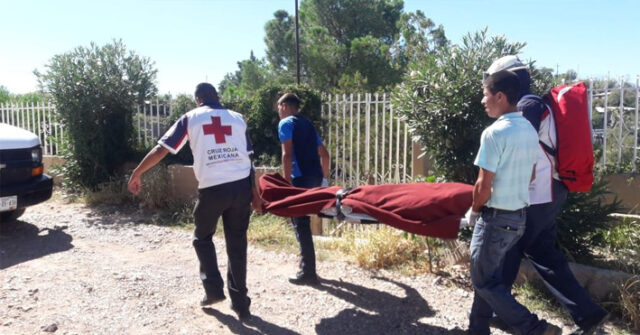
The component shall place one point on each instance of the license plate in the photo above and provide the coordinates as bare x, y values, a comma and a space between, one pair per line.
8, 203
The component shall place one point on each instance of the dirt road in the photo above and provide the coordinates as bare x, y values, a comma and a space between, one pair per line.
70, 269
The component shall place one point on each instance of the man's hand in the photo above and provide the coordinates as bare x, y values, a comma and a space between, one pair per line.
471, 216
135, 184
325, 182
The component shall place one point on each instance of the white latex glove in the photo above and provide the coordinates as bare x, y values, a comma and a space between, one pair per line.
471, 216
325, 182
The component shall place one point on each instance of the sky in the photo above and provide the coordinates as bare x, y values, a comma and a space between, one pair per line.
193, 41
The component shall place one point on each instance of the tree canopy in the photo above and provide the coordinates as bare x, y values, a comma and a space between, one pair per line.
361, 45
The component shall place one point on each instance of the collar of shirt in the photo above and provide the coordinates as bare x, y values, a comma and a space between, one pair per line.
212, 104
511, 115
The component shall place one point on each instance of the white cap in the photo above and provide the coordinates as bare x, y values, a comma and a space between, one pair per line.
510, 62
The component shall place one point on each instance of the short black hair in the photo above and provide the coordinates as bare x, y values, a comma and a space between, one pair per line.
206, 92
291, 99
506, 82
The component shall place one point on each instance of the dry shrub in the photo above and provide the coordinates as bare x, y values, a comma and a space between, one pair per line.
113, 192
272, 231
155, 192
630, 302
388, 248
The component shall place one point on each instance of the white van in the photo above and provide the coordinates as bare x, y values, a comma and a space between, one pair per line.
22, 179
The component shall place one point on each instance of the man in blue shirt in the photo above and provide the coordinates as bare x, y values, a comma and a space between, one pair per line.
506, 158
305, 163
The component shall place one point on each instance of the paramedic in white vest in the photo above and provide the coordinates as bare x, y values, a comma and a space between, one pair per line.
220, 145
547, 195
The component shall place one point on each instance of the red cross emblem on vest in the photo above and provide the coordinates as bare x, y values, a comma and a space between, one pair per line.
217, 129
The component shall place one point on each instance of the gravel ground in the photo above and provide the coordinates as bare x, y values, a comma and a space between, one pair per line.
70, 269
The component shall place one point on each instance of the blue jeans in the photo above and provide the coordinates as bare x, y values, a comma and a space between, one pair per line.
494, 235
302, 226
538, 244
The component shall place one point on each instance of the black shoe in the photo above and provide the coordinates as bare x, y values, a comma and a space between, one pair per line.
496, 322
207, 300
597, 323
243, 312
552, 330
304, 279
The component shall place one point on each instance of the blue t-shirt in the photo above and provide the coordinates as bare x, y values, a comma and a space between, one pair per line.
509, 148
305, 141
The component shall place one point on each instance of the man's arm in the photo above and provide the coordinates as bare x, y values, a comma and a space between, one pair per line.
325, 161
482, 189
287, 159
150, 160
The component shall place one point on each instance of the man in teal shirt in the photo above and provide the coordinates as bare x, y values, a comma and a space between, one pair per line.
506, 158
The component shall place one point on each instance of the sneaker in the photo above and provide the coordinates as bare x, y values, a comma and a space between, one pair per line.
207, 300
552, 330
301, 278
595, 326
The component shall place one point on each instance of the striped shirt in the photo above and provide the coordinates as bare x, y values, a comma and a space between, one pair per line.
509, 149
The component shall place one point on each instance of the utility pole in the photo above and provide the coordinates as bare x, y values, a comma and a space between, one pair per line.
297, 48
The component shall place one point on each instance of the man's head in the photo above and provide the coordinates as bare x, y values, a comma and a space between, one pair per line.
288, 104
513, 64
205, 93
501, 93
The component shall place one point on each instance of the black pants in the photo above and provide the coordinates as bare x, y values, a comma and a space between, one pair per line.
302, 226
232, 202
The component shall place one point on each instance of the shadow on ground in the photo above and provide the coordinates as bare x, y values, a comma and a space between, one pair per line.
254, 326
22, 241
377, 312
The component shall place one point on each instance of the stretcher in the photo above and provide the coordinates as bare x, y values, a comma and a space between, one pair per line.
428, 209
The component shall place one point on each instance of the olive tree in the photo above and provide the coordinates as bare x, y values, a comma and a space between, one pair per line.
440, 98
95, 90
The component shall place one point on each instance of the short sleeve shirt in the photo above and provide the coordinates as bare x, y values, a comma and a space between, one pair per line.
509, 149
219, 142
305, 155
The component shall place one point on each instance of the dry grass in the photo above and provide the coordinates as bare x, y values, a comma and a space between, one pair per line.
629, 302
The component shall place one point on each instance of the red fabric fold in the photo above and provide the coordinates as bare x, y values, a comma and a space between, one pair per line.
429, 209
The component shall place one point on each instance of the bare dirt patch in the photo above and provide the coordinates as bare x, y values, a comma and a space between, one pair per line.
70, 269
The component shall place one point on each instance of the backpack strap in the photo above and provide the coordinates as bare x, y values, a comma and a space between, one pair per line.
546, 148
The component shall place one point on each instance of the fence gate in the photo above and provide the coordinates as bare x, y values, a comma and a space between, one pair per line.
367, 141
39, 118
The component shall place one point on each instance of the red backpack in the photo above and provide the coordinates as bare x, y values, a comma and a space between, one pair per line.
574, 152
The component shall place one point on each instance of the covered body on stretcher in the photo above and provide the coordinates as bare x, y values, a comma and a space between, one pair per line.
429, 209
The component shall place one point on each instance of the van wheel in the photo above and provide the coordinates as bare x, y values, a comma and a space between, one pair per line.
11, 216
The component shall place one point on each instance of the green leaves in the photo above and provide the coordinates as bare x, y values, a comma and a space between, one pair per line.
440, 98
96, 90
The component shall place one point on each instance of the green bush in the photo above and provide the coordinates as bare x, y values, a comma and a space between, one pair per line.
96, 90
582, 219
441, 96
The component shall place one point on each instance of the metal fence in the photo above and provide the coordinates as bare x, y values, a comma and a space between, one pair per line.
368, 142
614, 113
151, 120
41, 119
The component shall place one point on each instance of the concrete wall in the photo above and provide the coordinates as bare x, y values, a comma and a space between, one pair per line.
626, 187
49, 162
183, 183
600, 283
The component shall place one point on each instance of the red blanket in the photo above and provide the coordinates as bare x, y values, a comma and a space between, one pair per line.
430, 209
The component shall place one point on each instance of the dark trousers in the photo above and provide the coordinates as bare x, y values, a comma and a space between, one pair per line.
232, 202
538, 244
302, 226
